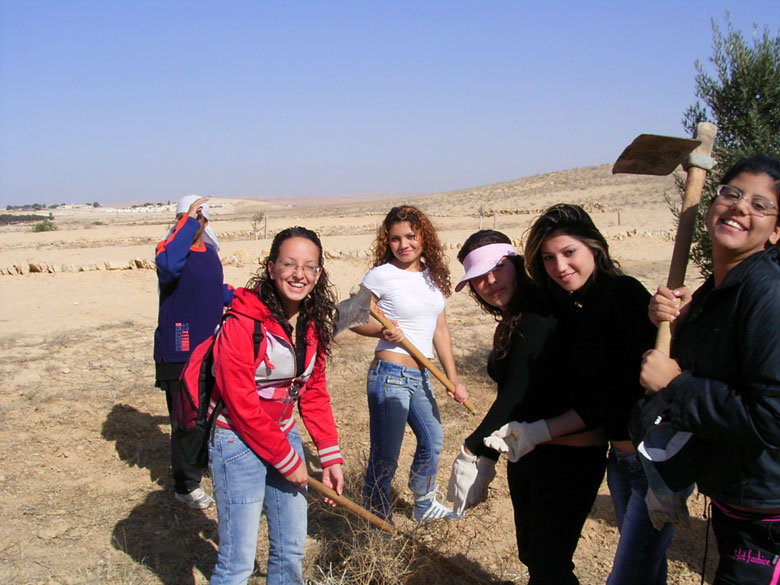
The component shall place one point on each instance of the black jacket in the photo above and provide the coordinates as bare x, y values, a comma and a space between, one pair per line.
729, 392
524, 376
527, 377
606, 330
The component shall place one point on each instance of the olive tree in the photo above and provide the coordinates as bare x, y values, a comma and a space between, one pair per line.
742, 97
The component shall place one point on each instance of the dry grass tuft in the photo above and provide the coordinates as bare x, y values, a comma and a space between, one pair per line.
352, 552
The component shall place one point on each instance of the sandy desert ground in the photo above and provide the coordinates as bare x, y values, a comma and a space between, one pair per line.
86, 490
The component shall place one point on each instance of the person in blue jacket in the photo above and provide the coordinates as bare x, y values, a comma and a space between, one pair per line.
192, 297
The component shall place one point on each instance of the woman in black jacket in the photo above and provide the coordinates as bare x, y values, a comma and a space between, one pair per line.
606, 330
553, 487
723, 384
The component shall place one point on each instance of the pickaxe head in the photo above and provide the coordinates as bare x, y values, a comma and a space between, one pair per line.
354, 311
650, 154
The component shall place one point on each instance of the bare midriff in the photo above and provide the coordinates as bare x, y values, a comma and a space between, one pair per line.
398, 358
625, 446
592, 438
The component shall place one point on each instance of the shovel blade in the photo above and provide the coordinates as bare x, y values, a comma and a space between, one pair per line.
354, 311
650, 154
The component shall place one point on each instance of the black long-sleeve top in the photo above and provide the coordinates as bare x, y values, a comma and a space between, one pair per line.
526, 377
605, 330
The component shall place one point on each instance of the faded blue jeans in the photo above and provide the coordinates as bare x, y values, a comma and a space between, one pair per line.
398, 395
244, 487
640, 558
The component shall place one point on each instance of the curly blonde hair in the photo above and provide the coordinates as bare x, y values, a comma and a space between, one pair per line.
432, 252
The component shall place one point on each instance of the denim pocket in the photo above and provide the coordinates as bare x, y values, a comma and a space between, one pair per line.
396, 387
233, 450
244, 471
629, 462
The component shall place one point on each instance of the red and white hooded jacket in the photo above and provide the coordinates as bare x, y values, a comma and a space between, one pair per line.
260, 394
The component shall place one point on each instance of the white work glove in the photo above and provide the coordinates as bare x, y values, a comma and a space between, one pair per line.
486, 472
671, 507
464, 474
516, 439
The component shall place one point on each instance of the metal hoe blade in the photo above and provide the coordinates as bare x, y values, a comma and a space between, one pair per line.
650, 154
354, 311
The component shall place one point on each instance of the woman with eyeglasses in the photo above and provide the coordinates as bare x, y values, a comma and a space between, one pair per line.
723, 382
409, 280
269, 357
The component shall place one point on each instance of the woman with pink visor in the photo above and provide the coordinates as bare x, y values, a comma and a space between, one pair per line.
549, 505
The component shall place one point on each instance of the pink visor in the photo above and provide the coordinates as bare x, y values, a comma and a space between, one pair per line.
483, 260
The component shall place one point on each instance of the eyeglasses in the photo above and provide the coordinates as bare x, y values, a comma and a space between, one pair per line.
758, 204
288, 267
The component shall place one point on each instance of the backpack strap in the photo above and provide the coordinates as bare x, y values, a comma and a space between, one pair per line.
257, 336
257, 339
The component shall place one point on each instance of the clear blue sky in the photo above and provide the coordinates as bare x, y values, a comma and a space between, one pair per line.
110, 100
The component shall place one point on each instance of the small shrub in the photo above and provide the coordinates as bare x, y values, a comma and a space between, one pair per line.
46, 225
257, 221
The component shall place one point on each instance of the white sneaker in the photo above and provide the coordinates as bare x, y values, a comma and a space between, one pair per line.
427, 507
197, 499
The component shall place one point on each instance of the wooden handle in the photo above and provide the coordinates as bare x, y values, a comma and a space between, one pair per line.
694, 184
417, 354
351, 506
663, 338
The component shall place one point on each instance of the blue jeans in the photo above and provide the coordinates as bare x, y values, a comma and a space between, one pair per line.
244, 487
641, 552
398, 395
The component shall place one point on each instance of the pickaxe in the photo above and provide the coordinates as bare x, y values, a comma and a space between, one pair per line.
360, 307
649, 154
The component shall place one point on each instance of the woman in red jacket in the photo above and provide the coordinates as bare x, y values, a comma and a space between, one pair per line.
256, 458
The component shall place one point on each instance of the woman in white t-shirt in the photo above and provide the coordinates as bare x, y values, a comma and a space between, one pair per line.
410, 279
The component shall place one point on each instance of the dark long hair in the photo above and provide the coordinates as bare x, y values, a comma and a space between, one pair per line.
508, 319
574, 221
432, 252
756, 164
319, 306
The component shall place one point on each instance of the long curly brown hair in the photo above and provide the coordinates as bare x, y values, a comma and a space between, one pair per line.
318, 307
509, 319
432, 253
